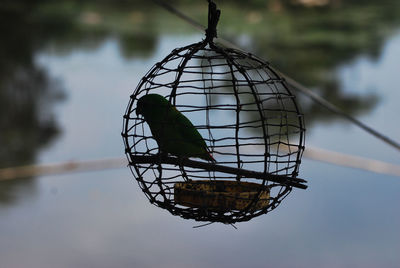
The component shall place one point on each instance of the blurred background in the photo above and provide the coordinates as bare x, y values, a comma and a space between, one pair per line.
67, 69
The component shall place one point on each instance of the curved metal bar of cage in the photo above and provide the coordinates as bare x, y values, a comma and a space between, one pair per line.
283, 183
244, 74
301, 118
198, 214
284, 180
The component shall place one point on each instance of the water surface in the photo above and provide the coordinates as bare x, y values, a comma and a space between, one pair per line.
346, 218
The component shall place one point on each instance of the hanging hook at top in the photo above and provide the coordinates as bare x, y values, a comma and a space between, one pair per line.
213, 17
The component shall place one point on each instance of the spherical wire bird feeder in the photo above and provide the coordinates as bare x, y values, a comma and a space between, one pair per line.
247, 117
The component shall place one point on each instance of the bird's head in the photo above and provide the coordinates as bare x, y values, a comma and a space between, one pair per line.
151, 102
140, 106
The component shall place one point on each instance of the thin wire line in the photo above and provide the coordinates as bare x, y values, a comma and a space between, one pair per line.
312, 153
334, 109
352, 161
181, 15
28, 171
293, 83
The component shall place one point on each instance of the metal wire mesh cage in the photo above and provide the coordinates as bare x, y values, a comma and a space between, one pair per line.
250, 123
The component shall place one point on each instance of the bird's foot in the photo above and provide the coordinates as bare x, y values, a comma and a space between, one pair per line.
182, 169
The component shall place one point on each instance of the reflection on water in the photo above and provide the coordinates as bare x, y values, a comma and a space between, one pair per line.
101, 219
27, 94
308, 44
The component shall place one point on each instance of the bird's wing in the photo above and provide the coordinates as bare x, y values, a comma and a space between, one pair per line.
187, 130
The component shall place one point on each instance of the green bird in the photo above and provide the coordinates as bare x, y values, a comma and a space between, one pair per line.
173, 131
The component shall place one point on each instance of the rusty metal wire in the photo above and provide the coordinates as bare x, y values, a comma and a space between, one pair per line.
244, 111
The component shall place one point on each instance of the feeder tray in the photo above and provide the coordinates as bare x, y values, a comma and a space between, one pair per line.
221, 195
248, 118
